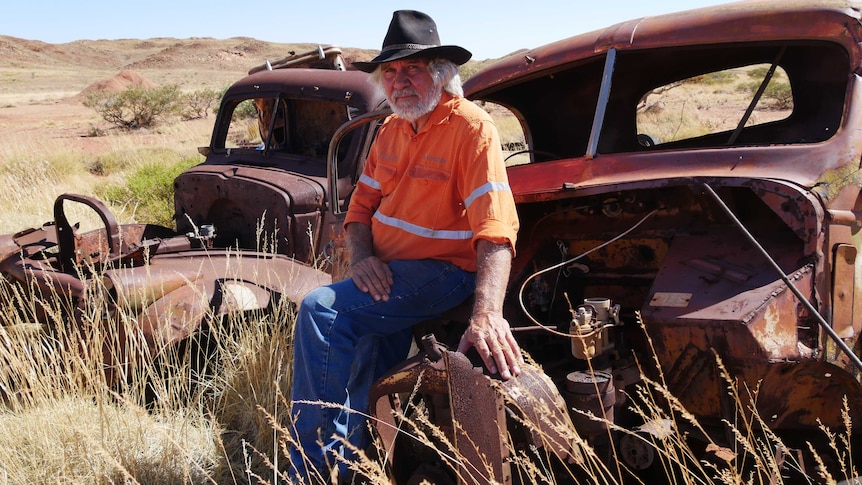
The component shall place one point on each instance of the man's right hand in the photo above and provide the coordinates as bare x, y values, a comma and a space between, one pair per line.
373, 276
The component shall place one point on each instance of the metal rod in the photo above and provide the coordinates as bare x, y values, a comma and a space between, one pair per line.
823, 323
756, 97
602, 104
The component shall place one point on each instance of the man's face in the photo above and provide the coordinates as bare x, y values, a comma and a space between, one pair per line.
409, 87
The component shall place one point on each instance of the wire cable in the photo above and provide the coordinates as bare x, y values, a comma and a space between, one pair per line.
540, 326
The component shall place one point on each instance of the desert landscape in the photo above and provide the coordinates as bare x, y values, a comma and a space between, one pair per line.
42, 116
42, 85
51, 144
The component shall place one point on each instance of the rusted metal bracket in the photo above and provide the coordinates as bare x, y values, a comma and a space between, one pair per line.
66, 236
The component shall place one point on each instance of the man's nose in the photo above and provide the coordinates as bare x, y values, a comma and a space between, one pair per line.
402, 80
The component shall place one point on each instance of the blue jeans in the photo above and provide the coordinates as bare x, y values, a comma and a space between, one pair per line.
344, 341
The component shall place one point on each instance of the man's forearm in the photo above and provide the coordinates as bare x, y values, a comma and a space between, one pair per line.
494, 263
369, 273
489, 333
359, 242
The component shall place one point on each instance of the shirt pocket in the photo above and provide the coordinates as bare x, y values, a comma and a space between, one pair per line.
432, 185
428, 173
384, 174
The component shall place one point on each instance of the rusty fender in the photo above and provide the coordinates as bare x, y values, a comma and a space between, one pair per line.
478, 406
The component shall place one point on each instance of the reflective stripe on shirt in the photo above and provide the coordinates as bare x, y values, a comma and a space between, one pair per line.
422, 231
365, 179
484, 189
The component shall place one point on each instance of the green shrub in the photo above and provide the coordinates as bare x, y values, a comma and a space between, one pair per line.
245, 110
758, 72
135, 107
197, 104
149, 191
120, 161
718, 77
778, 93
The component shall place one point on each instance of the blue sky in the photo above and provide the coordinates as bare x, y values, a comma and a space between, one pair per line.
489, 29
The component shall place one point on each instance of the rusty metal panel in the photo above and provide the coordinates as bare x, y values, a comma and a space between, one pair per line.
480, 423
738, 310
321, 84
802, 395
844, 290
289, 278
247, 202
727, 282
475, 420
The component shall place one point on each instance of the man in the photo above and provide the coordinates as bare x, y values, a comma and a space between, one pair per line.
432, 221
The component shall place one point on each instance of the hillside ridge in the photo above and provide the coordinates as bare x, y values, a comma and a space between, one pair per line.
235, 53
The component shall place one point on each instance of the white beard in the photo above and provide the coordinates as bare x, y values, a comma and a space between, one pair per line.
420, 108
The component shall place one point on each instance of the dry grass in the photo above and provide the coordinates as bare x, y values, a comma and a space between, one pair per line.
72, 415
705, 105
76, 440
35, 170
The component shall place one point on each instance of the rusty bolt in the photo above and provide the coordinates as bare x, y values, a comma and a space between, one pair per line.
431, 347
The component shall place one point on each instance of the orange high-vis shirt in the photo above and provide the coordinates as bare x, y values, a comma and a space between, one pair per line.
433, 194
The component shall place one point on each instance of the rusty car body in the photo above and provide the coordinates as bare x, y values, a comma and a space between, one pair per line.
725, 259
251, 221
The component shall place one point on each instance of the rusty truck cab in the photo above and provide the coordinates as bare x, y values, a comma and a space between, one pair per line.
264, 181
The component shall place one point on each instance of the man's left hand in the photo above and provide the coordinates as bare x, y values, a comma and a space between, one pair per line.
490, 335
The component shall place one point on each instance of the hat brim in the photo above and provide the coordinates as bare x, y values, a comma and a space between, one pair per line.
454, 53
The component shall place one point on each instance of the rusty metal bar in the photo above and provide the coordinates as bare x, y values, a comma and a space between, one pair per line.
602, 104
757, 95
820, 320
332, 154
66, 236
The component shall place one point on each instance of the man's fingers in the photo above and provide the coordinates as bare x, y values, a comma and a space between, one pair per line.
513, 356
373, 277
487, 355
383, 275
504, 358
498, 357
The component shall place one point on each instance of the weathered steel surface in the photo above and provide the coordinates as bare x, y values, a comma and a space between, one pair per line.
474, 414
764, 295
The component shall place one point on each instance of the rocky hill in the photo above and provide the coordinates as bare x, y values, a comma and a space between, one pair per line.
35, 72
237, 53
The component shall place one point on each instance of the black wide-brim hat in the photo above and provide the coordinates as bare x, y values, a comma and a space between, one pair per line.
413, 34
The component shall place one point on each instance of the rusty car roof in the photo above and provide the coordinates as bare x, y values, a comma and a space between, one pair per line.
754, 31
746, 21
348, 87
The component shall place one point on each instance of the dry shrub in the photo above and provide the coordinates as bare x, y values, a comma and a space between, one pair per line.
135, 107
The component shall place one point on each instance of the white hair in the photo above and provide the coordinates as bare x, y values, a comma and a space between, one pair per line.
445, 74
443, 71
